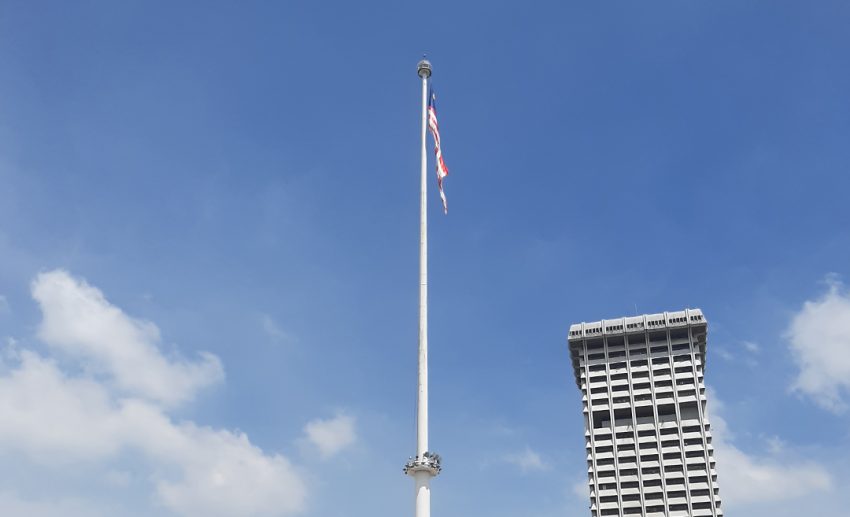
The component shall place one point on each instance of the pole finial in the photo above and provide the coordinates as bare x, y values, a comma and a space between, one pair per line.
424, 68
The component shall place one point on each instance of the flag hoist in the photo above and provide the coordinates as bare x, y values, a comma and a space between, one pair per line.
425, 464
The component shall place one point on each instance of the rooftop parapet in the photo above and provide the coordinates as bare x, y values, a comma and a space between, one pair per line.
630, 325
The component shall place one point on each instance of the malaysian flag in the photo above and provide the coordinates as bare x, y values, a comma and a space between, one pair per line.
442, 171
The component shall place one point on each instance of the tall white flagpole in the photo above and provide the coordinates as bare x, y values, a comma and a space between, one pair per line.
426, 464
422, 399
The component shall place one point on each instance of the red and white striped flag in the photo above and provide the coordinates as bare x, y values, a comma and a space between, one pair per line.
442, 171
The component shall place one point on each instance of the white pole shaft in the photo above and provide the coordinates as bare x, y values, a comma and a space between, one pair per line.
422, 395
423, 494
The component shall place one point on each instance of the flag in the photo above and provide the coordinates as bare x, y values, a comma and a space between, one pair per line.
442, 171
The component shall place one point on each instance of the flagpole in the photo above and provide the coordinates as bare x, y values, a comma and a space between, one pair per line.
426, 464
424, 70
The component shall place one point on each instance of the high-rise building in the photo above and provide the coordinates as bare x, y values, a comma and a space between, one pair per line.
647, 435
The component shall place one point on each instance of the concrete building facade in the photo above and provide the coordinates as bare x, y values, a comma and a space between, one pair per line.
647, 435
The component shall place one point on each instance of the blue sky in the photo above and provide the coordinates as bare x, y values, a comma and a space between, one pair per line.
241, 181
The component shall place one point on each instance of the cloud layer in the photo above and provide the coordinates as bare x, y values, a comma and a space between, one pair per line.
58, 419
750, 478
819, 337
331, 436
79, 321
527, 461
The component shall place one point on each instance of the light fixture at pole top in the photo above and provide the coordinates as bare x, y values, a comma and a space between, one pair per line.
424, 69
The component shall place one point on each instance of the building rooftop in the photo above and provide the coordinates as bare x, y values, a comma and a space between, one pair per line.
647, 323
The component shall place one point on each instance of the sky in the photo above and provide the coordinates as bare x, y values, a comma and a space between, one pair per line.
209, 247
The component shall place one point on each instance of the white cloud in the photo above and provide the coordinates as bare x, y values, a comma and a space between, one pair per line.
271, 328
224, 474
10, 351
4, 305
55, 419
79, 321
118, 478
724, 354
751, 347
747, 479
819, 337
526, 460
333, 435
751, 479
775, 445
60, 420
12, 504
